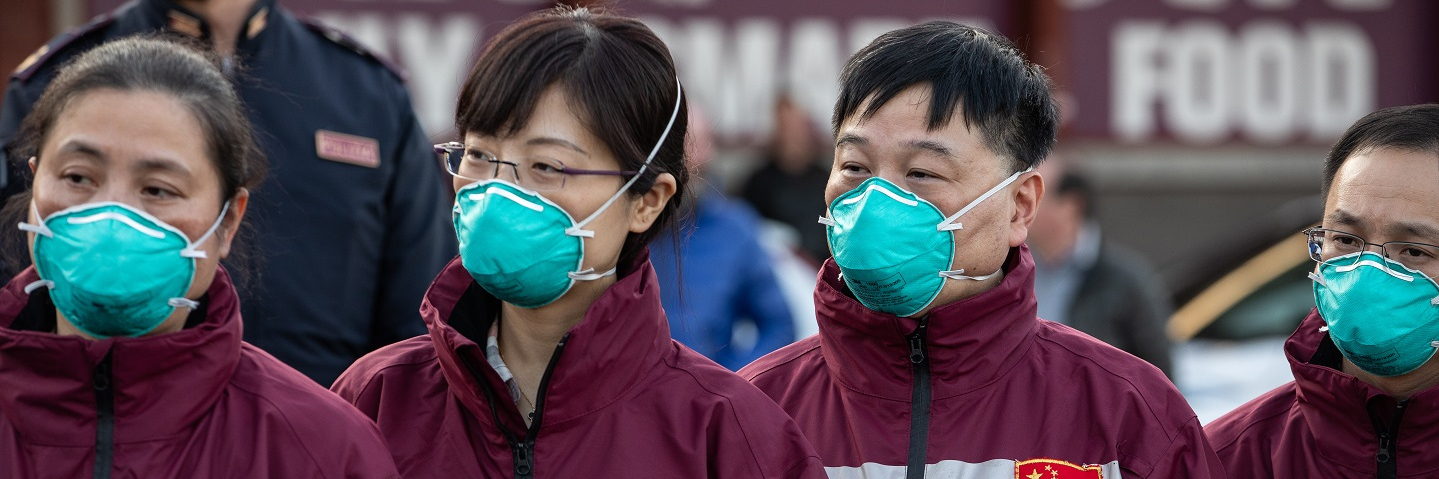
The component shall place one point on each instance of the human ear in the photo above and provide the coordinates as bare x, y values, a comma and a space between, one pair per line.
652, 203
1026, 205
231, 224
32, 165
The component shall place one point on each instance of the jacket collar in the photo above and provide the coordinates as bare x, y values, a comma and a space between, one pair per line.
163, 384
168, 15
970, 343
623, 334
1336, 406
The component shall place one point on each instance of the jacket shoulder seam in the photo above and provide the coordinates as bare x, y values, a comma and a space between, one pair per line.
729, 403
792, 357
288, 424
1143, 392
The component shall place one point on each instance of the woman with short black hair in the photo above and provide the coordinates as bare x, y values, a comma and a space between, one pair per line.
549, 354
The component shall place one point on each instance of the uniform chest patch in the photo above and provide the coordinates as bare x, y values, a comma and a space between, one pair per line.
1055, 469
355, 150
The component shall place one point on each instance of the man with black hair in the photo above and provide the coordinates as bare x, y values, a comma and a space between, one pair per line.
1088, 283
930, 360
1364, 401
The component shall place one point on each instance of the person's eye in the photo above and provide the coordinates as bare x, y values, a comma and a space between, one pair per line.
77, 179
157, 192
853, 169
547, 167
921, 175
1416, 251
1346, 240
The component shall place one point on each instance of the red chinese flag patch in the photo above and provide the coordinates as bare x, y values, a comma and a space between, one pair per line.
1055, 469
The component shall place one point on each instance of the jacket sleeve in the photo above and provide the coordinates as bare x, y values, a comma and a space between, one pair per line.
1189, 455
418, 239
762, 300
760, 441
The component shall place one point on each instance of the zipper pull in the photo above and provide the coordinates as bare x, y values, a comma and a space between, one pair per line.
524, 459
916, 344
101, 377
1384, 444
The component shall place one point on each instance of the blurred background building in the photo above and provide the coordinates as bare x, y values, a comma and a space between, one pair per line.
1201, 123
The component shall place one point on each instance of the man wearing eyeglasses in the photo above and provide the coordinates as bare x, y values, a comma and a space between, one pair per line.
1363, 402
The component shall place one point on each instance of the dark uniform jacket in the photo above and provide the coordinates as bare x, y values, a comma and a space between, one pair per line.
1118, 302
978, 388
618, 399
193, 403
1327, 423
352, 221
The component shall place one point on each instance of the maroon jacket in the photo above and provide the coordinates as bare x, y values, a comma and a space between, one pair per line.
619, 398
193, 403
1327, 423
978, 388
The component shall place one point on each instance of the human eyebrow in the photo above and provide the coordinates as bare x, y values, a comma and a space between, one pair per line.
163, 165
86, 150
1342, 218
850, 139
1410, 229
552, 141
931, 146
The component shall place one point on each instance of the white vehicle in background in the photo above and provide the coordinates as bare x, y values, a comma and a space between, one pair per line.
1230, 326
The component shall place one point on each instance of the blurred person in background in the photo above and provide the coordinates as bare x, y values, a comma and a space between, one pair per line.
788, 187
930, 359
714, 274
353, 220
549, 354
1091, 284
120, 349
1364, 401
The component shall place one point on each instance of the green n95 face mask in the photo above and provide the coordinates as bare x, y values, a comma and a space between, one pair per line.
523, 248
517, 244
1381, 314
114, 270
893, 248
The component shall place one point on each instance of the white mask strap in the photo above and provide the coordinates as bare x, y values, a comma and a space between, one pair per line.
39, 229
578, 228
959, 274
183, 303
193, 251
949, 225
44, 283
589, 274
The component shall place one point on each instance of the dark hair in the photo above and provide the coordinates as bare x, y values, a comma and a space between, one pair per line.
1001, 93
1077, 186
1408, 128
166, 65
619, 76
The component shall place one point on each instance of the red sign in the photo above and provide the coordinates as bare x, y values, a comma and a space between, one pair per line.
1260, 71
734, 56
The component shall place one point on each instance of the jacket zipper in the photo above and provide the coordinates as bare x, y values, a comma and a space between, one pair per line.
523, 450
103, 381
919, 402
1386, 458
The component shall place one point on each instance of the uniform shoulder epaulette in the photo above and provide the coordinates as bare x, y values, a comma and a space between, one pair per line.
342, 39
51, 51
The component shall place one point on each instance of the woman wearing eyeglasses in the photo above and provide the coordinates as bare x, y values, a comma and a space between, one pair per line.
120, 348
549, 354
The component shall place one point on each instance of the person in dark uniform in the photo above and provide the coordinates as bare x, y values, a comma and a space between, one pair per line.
352, 220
